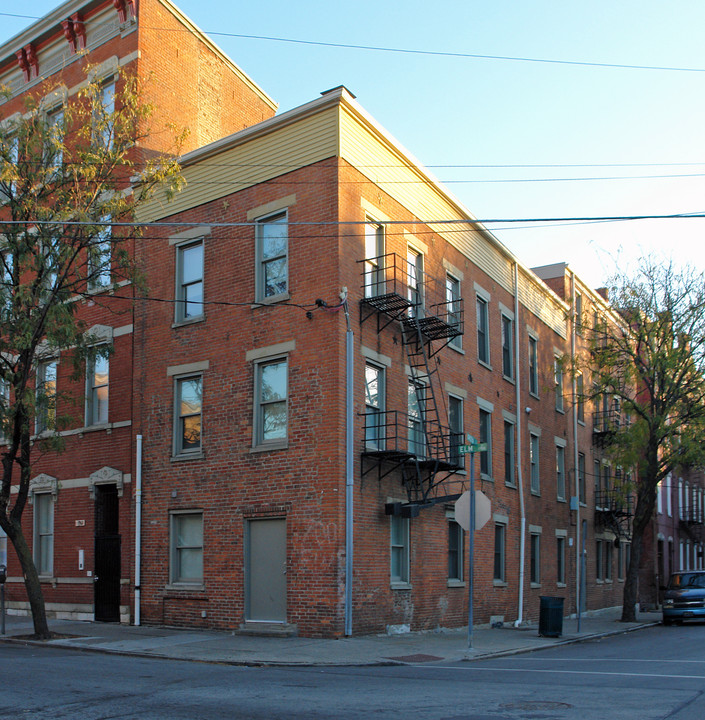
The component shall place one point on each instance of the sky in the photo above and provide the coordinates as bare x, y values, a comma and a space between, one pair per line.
511, 138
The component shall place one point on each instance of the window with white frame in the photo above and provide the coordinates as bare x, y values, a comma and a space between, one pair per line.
486, 438
97, 385
534, 463
669, 496
500, 552
416, 408
415, 281
507, 347
100, 256
12, 149
46, 395
374, 259
509, 463
453, 309
560, 559
374, 407
3, 548
582, 496
189, 281
188, 407
8, 283
455, 551
580, 397
272, 252
455, 423
560, 472
103, 121
558, 380
680, 499
271, 392
483, 330
44, 533
535, 560
399, 550
599, 560
186, 546
53, 150
533, 366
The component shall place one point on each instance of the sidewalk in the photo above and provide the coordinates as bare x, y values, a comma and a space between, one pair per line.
229, 648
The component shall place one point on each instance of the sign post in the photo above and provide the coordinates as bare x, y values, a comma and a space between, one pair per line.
471, 448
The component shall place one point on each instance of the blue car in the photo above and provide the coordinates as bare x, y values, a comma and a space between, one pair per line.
684, 598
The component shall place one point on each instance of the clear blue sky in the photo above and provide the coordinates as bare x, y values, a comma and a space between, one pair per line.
467, 112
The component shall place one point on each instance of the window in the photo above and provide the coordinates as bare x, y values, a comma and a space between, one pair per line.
483, 335
535, 558
374, 260
500, 550
579, 313
399, 546
272, 248
507, 347
53, 150
455, 421
99, 257
455, 551
581, 479
12, 150
599, 565
486, 437
4, 404
669, 497
597, 472
560, 472
187, 415
46, 396
534, 463
44, 533
104, 120
509, 477
580, 397
558, 379
533, 366
609, 546
415, 282
374, 407
453, 310
3, 548
8, 283
97, 381
416, 407
186, 547
271, 382
560, 560
189, 281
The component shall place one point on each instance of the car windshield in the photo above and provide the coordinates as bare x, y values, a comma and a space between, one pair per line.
685, 581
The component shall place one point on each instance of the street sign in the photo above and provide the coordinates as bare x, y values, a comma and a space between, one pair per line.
475, 447
483, 510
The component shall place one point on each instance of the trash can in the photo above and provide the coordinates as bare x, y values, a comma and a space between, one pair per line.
551, 616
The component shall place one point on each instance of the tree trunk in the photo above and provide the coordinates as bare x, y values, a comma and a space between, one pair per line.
31, 582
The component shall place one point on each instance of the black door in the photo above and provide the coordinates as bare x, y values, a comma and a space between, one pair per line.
107, 554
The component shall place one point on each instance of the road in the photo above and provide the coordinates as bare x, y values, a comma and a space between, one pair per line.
654, 673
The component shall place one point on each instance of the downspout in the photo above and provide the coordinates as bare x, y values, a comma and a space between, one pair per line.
519, 454
138, 529
349, 436
578, 532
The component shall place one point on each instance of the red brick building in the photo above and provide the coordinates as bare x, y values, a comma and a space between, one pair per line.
325, 325
83, 530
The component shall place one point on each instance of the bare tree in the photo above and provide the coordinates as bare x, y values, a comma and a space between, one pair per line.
649, 366
69, 170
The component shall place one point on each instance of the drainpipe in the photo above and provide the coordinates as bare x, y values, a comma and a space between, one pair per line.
138, 529
578, 533
519, 454
349, 436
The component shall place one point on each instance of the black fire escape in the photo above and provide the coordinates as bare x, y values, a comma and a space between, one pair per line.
691, 522
614, 510
419, 443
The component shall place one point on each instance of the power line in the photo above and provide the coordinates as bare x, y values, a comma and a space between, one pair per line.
331, 223
432, 53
